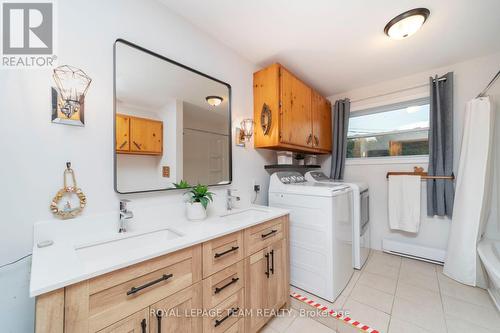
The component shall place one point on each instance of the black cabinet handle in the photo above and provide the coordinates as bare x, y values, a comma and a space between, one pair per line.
159, 317
137, 145
231, 312
233, 248
272, 261
267, 265
123, 144
143, 326
133, 290
269, 233
219, 289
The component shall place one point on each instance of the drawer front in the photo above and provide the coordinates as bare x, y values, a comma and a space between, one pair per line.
238, 327
178, 313
226, 314
136, 323
222, 252
221, 285
114, 303
262, 235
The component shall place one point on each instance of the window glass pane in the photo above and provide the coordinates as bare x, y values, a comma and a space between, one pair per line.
400, 132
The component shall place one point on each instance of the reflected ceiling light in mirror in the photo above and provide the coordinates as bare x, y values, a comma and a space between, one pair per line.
214, 100
406, 24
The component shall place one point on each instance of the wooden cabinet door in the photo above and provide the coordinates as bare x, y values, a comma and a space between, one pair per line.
321, 122
122, 133
177, 313
136, 323
146, 136
278, 281
296, 121
256, 289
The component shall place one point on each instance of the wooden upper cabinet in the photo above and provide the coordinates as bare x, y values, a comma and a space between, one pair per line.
300, 117
140, 136
295, 111
322, 122
122, 133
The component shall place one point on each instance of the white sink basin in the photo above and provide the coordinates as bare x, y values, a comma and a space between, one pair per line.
107, 252
248, 213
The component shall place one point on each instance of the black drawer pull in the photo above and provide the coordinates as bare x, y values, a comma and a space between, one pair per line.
219, 289
267, 265
272, 262
233, 248
133, 290
231, 312
269, 233
143, 326
159, 317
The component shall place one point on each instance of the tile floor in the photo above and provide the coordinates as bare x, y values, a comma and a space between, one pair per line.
399, 295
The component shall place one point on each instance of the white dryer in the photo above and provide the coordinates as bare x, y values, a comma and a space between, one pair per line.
361, 215
320, 232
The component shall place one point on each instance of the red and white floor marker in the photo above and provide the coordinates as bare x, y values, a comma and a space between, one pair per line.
338, 316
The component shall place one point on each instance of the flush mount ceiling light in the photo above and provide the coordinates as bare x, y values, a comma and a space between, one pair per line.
214, 100
407, 23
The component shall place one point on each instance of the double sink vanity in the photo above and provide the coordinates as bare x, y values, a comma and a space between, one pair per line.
154, 270
228, 273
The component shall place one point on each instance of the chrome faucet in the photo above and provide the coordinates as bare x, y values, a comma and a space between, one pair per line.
125, 215
229, 199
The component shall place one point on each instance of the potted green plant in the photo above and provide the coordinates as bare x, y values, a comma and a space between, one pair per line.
198, 199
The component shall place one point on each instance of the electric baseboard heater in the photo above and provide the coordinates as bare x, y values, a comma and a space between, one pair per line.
414, 251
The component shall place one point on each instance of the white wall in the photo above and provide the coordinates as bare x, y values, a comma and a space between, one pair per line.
470, 78
34, 150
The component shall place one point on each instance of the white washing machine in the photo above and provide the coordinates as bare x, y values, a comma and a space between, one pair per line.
320, 232
361, 216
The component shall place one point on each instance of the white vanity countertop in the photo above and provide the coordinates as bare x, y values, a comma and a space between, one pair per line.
72, 257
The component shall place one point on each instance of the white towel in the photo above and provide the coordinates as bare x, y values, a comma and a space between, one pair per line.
404, 203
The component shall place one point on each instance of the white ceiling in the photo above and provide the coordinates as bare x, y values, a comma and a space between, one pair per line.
339, 45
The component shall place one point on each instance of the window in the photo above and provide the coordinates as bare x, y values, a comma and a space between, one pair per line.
393, 130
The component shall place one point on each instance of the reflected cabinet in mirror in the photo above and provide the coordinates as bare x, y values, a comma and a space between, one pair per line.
172, 123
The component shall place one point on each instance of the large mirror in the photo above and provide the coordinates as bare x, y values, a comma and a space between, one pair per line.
172, 123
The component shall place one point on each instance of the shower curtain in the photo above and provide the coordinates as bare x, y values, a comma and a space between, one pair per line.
472, 194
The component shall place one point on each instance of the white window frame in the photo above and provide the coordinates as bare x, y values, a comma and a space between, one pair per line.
416, 159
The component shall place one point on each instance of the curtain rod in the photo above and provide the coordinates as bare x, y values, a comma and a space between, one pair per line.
396, 91
492, 82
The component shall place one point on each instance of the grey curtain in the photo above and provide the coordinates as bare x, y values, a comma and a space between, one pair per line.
440, 193
340, 126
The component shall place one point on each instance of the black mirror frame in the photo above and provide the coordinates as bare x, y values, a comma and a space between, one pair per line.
230, 150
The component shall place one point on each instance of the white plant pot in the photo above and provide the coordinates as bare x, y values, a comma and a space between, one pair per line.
195, 211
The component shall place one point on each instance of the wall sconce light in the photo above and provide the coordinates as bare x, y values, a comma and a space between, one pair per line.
69, 95
244, 132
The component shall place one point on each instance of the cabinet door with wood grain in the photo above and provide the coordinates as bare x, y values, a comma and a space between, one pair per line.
296, 122
256, 289
278, 281
136, 323
177, 313
321, 122
146, 136
122, 133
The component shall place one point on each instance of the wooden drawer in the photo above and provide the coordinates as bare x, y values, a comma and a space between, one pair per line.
221, 285
119, 294
262, 235
222, 252
136, 323
221, 317
238, 327
179, 312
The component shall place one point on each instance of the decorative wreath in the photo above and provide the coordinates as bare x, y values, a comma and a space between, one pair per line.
68, 212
